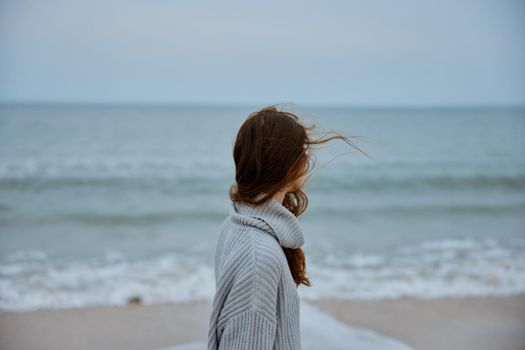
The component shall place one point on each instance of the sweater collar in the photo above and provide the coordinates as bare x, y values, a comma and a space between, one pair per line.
272, 217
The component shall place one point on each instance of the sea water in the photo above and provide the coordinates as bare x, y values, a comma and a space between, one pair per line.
102, 203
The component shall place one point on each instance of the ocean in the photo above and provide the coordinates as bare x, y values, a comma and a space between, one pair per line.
102, 203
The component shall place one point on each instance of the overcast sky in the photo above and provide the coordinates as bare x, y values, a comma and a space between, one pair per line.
241, 52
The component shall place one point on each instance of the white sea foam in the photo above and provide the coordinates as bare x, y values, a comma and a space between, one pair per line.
31, 284
433, 269
448, 268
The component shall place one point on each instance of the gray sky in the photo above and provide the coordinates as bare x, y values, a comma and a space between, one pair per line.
240, 52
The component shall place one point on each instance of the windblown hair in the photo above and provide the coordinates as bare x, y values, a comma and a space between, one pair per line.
272, 149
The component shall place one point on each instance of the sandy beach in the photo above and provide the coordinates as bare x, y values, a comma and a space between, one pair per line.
434, 324
424, 324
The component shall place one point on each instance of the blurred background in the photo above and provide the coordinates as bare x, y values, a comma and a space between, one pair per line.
117, 122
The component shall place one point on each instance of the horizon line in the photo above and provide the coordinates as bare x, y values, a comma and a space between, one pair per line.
253, 104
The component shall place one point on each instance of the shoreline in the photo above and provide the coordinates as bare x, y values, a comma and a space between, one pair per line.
479, 322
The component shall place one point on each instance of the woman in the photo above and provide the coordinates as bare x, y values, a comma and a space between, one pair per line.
259, 263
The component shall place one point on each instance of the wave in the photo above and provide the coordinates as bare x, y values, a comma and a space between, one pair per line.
8, 215
445, 268
175, 183
116, 219
420, 209
423, 181
96, 168
194, 175
146, 219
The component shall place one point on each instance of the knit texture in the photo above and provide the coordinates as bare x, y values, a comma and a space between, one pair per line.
256, 304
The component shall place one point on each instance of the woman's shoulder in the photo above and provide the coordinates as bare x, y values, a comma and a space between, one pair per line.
249, 241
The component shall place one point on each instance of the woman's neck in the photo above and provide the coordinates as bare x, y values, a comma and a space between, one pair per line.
279, 196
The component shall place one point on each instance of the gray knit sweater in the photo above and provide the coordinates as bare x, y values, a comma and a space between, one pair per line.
256, 304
